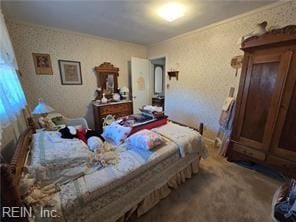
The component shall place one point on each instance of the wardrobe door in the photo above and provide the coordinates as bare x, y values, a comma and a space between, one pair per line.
265, 75
284, 139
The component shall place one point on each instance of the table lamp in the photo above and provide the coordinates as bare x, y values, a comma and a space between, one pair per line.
42, 109
124, 92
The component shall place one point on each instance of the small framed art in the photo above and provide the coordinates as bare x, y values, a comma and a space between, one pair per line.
70, 72
42, 64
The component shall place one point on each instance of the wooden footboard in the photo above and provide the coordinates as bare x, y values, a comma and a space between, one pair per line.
11, 174
200, 128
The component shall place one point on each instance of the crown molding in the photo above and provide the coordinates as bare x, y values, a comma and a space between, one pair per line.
12, 20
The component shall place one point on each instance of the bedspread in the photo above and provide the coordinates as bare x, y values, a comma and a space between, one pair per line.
98, 192
188, 140
53, 159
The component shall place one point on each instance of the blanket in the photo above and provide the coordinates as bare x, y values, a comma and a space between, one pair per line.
188, 140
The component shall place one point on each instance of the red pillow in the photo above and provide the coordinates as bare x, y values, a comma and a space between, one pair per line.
81, 134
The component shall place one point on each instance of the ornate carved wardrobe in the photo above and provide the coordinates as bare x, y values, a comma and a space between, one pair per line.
264, 128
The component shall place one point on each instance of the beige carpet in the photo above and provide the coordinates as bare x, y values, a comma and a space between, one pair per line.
221, 192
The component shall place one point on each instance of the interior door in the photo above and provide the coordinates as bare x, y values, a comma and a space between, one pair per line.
266, 73
140, 76
284, 139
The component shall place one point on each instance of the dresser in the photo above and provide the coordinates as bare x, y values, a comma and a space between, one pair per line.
264, 129
116, 109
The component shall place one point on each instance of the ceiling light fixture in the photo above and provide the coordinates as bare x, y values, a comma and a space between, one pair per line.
171, 11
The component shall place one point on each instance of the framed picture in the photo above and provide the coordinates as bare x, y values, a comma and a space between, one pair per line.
70, 72
42, 64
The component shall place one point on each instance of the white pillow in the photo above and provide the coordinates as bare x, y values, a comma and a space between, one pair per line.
144, 139
115, 133
94, 143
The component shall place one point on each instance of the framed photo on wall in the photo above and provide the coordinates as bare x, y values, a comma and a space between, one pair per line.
70, 72
42, 64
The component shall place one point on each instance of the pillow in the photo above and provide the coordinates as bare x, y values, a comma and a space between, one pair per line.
45, 122
58, 120
144, 139
94, 143
115, 133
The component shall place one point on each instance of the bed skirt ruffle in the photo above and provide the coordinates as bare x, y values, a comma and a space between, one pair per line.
152, 199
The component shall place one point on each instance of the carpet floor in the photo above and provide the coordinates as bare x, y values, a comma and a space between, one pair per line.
220, 192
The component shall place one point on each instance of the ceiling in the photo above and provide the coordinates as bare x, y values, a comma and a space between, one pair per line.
132, 21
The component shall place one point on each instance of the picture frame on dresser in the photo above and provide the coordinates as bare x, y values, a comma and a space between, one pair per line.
70, 72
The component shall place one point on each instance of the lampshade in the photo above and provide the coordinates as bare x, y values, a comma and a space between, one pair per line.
42, 108
124, 92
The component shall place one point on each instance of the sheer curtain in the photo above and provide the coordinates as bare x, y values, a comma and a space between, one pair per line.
12, 98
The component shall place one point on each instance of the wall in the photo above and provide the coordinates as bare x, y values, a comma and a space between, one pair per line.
91, 51
203, 59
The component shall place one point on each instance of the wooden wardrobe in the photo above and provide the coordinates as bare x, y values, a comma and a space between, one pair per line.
264, 129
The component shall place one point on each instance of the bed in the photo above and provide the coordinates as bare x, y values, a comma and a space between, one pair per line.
116, 192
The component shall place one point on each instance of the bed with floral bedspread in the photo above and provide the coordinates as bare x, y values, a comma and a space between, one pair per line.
115, 192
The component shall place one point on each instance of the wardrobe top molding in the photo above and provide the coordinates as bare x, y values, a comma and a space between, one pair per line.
280, 37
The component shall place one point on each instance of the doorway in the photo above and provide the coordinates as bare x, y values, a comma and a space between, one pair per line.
147, 82
158, 81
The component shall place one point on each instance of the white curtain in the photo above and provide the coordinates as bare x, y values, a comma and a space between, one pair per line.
12, 98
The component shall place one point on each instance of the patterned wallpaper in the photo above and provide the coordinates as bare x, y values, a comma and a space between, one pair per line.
203, 59
91, 51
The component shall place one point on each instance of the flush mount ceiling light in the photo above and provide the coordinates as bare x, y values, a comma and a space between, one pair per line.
171, 11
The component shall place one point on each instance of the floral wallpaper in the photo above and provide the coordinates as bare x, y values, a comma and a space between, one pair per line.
91, 51
203, 60
202, 57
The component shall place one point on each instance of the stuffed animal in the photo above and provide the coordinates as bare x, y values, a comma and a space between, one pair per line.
107, 154
41, 196
26, 184
259, 30
32, 193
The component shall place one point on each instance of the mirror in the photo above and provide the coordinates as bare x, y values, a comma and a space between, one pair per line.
107, 79
109, 84
158, 79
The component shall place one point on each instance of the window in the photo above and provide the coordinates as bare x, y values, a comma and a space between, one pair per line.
12, 98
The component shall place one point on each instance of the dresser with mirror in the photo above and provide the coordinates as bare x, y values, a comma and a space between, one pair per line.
104, 104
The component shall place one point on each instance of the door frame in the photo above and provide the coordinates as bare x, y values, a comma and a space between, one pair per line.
165, 68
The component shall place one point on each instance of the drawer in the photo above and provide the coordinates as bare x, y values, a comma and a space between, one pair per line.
113, 109
249, 152
121, 114
117, 115
287, 165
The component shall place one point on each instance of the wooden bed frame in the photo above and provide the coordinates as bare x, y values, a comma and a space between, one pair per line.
11, 172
